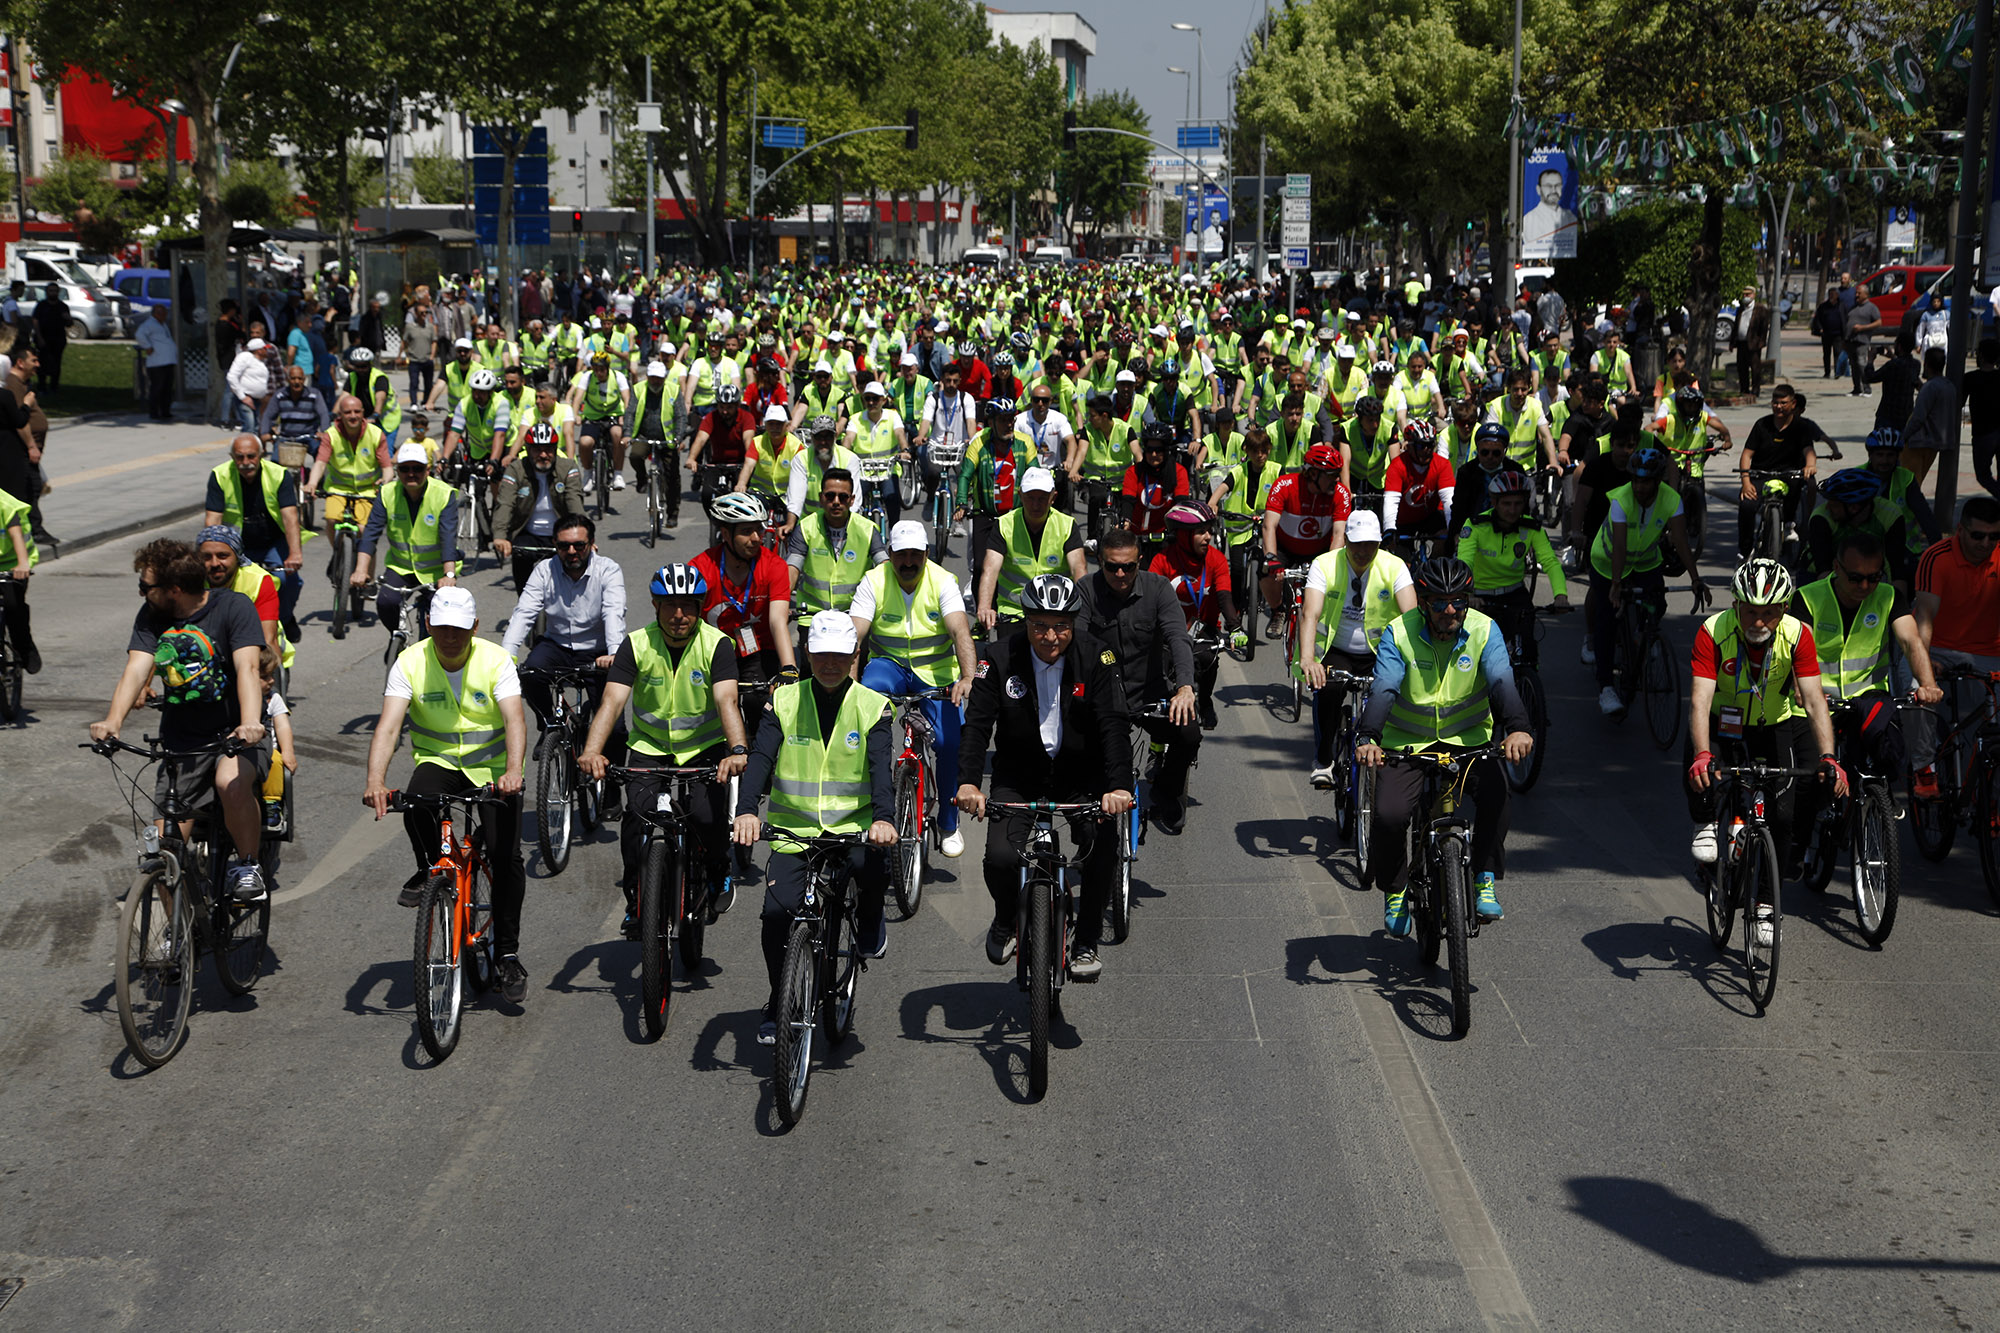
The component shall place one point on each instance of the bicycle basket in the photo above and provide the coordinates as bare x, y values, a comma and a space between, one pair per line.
877, 469
291, 453
947, 455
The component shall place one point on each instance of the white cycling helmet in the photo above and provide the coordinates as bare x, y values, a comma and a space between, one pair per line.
481, 378
734, 507
1762, 582
360, 356
1383, 368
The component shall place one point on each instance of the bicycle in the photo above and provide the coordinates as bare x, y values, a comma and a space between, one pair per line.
1968, 785
600, 471
563, 796
1863, 821
177, 907
1534, 698
673, 889
1744, 875
294, 454
663, 489
915, 779
454, 926
12, 670
1045, 918
875, 473
470, 476
715, 479
823, 962
1647, 666
1132, 830
946, 460
1353, 784
1287, 613
1239, 530
1775, 539
1100, 495
409, 626
349, 602
1440, 887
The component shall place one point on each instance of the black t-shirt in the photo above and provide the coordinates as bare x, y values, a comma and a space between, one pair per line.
1602, 476
1583, 435
1774, 450
193, 659
625, 667
261, 528
1982, 395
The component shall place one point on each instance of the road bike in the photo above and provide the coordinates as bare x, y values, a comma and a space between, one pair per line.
1864, 823
599, 478
1239, 532
663, 488
1744, 877
564, 798
1045, 915
1968, 777
1442, 897
1776, 539
349, 602
12, 669
454, 934
475, 491
1646, 666
178, 906
673, 889
1353, 785
946, 460
915, 782
823, 962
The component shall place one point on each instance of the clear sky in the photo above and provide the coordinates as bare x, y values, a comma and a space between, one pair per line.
1136, 42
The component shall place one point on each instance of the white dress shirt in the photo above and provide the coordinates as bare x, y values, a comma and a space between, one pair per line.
1048, 696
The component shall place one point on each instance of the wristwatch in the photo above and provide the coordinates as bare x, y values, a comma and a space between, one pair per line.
739, 749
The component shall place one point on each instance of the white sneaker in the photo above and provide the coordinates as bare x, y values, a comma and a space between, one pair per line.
1322, 777
246, 881
589, 484
1609, 704
1766, 928
1704, 844
1588, 655
618, 481
954, 844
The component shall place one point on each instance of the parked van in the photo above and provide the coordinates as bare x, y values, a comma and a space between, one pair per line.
985, 256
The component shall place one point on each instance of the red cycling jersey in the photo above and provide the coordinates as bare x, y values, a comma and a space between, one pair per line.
1305, 518
743, 613
1201, 585
1422, 497
1151, 497
1805, 658
726, 435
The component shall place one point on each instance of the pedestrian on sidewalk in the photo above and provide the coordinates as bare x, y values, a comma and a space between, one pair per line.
1751, 333
249, 381
156, 339
1933, 419
1826, 326
24, 432
1982, 397
1862, 318
52, 333
420, 335
1899, 377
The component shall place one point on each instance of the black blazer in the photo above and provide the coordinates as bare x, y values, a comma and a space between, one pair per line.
1096, 751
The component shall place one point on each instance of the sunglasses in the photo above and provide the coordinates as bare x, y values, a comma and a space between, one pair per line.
572, 546
1041, 402
836, 497
1120, 566
1984, 538
1853, 577
1449, 603
1491, 453
145, 587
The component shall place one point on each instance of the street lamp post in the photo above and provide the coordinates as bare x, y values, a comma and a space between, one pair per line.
1187, 83
1199, 58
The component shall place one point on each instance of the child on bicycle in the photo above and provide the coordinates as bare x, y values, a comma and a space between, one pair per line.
278, 718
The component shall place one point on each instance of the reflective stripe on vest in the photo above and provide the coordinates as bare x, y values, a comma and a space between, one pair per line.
829, 579
480, 423
673, 708
1762, 706
353, 468
392, 409
915, 634
270, 478
416, 541
1025, 558
1853, 659
1378, 596
821, 786
600, 396
1644, 528
464, 730
1443, 697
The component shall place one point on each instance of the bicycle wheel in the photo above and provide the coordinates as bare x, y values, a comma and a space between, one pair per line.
940, 525
343, 570
1822, 850
10, 686
1986, 823
1932, 822
1251, 590
1718, 892
1119, 911
435, 963
155, 981
1524, 775
482, 516
797, 984
600, 477
1345, 771
654, 518
1426, 914
241, 932
1452, 888
1761, 909
1040, 945
1771, 532
843, 957
694, 920
555, 800
1364, 820
910, 831
1660, 679
1878, 870
658, 876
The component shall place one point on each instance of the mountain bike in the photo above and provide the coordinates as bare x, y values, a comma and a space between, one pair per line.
916, 788
601, 447
411, 613
1775, 539
1353, 784
663, 488
178, 906
673, 890
1968, 777
1864, 823
946, 461
1442, 895
1647, 666
12, 669
475, 490
564, 798
1744, 875
823, 962
349, 602
1045, 916
454, 934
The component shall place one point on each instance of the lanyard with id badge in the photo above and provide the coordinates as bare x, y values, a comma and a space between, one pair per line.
746, 624
1729, 722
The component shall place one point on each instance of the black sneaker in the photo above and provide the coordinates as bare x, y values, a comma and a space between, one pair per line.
630, 927
290, 627
999, 944
878, 945
767, 1031
1208, 718
722, 899
1170, 819
513, 979
413, 889
34, 660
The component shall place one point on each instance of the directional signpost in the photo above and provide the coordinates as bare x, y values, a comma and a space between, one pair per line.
531, 188
1295, 222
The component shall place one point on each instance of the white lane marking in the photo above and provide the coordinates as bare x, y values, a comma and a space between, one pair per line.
364, 837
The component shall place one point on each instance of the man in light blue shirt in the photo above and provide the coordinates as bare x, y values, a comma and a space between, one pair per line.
156, 339
298, 347
581, 596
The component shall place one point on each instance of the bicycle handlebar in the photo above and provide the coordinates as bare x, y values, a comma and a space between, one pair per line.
1349, 680
693, 773
227, 747
1955, 671
1066, 809
1451, 760
934, 693
563, 675
408, 800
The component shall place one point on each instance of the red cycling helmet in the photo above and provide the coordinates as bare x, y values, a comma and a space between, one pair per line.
1323, 457
1507, 482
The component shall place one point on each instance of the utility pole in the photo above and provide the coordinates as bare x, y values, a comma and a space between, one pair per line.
646, 205
1971, 155
1510, 246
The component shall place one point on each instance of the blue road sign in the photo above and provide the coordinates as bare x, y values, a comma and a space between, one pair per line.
1188, 137
485, 145
528, 199
784, 136
1295, 257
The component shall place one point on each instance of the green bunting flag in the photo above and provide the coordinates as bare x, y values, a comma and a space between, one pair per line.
1852, 86
1829, 105
1878, 74
1809, 120
1774, 132
1747, 141
1908, 68
1951, 47
1724, 144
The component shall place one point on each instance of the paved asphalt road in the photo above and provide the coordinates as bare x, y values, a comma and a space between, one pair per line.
1253, 1122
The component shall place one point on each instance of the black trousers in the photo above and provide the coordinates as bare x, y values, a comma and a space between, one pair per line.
707, 811
499, 825
160, 392
1749, 369
1514, 613
785, 889
1326, 703
1183, 742
1396, 795
1007, 834
49, 376
1783, 745
549, 655
15, 596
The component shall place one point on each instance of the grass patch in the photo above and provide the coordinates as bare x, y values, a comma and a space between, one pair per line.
97, 377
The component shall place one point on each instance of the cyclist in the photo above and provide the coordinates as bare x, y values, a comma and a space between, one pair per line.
377, 394
462, 697
1055, 443
297, 411
1028, 540
1885, 452
220, 549
679, 675
950, 416
913, 615
1613, 364
810, 465
1054, 710
749, 592
1755, 691
455, 381
1240, 494
1417, 488
1370, 587
1689, 432
536, 348
1441, 675
821, 397
1137, 616
1784, 441
1422, 399
1153, 485
1519, 413
768, 455
1199, 574
600, 397
877, 434
1100, 455
1461, 433
1365, 445
353, 458
203, 643
579, 595
652, 419
1853, 501
825, 753
832, 548
1626, 555
1305, 515
260, 500
724, 431
1497, 547
1473, 486
537, 492
419, 515
999, 456
1957, 607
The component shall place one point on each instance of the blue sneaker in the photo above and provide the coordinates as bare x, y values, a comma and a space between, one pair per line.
1488, 908
1396, 914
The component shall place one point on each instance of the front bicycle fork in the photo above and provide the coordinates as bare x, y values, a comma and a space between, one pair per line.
1061, 926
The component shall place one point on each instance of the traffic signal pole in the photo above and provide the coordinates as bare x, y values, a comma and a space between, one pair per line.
759, 179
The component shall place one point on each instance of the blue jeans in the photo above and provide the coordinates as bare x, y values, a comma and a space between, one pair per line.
888, 676
289, 585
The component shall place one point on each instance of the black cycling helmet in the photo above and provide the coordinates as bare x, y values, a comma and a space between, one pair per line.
1852, 486
1443, 576
1490, 433
1001, 407
1156, 432
1051, 594
1368, 405
1648, 464
1688, 400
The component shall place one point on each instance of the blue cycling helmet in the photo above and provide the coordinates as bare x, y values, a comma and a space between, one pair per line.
1885, 437
1649, 464
1853, 486
678, 581
1491, 433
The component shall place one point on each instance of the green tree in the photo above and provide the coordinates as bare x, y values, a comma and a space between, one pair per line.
439, 175
260, 190
1100, 172
79, 182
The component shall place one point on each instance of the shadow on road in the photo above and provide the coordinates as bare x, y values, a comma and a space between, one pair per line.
1389, 965
1673, 944
987, 1016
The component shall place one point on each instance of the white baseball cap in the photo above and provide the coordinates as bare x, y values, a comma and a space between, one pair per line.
465, 343
875, 388
669, 349
1126, 377
255, 345
1364, 525
656, 370
822, 366
831, 632
942, 326
409, 451
1038, 479
453, 608
1158, 330
774, 413
909, 359
908, 535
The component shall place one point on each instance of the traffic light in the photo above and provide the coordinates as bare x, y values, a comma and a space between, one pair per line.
576, 219
1069, 131
910, 134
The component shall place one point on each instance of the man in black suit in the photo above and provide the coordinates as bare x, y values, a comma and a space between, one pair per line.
1051, 701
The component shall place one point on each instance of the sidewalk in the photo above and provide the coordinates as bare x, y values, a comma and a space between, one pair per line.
114, 476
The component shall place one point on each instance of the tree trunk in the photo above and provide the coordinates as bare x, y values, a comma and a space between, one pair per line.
1705, 287
207, 167
839, 219
718, 179
510, 153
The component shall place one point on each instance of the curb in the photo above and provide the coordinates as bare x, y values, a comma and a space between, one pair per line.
90, 539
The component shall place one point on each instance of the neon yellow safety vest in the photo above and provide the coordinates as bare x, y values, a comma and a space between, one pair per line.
1523, 434
1443, 698
493, 356
774, 462
392, 410
1106, 456
1223, 453
1244, 498
270, 478
14, 513
822, 786
909, 628
872, 439
1378, 596
249, 581
535, 351
415, 540
480, 423
353, 469
1853, 658
1642, 533
673, 707
1687, 444
1026, 558
568, 339
457, 375
1370, 458
829, 578
642, 403
1762, 706
1499, 559
462, 729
